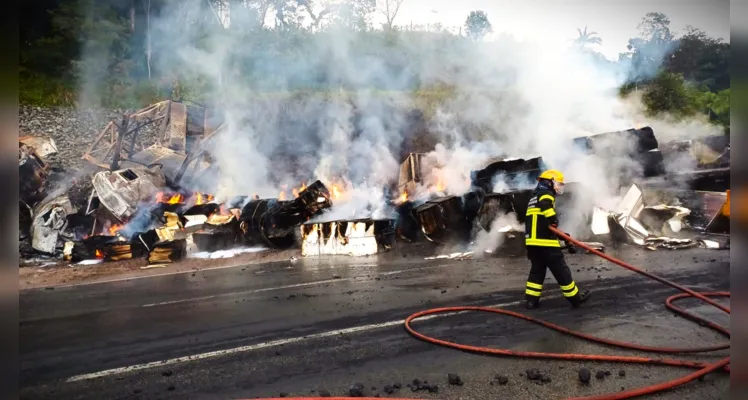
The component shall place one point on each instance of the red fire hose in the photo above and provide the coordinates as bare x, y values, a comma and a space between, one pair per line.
702, 368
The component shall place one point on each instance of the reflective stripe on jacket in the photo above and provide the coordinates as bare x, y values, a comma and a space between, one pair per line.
540, 214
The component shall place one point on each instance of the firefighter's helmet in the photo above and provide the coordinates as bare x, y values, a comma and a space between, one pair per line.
553, 175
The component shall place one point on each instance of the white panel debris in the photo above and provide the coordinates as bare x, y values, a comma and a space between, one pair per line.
631, 211
711, 244
43, 146
226, 253
467, 255
122, 191
631, 204
353, 238
49, 221
675, 223
600, 221
90, 262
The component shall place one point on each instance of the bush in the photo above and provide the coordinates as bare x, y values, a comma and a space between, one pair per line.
37, 90
668, 93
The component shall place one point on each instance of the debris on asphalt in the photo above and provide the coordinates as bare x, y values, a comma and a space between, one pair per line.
584, 375
324, 393
357, 390
389, 389
167, 373
621, 373
455, 379
502, 379
533, 374
600, 375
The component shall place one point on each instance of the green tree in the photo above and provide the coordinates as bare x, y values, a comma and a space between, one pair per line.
654, 44
701, 60
351, 14
477, 25
668, 93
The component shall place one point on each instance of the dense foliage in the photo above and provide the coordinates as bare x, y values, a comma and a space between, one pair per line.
679, 74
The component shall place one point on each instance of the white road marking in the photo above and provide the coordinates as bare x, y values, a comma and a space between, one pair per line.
297, 285
246, 292
258, 346
131, 278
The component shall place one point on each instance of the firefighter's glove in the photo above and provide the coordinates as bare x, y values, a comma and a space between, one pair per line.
571, 248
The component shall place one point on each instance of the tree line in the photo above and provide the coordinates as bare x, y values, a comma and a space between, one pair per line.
117, 45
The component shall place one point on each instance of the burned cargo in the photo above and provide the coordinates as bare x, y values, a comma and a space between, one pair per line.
629, 153
443, 220
273, 222
361, 237
122, 191
33, 171
507, 174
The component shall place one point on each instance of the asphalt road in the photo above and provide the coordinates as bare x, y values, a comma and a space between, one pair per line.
300, 327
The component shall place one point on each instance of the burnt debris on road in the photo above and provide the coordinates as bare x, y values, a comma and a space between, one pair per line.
139, 207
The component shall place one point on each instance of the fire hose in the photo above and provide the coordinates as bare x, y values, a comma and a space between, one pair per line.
701, 367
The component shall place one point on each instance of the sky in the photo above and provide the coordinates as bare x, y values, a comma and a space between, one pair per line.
557, 21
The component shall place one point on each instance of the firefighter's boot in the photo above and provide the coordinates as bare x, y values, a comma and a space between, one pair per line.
579, 298
532, 304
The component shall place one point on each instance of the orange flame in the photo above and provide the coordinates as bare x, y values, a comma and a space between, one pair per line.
404, 197
174, 199
114, 229
202, 199
98, 254
282, 196
336, 193
440, 185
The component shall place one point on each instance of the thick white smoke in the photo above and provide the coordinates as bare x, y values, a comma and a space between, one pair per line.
489, 241
508, 99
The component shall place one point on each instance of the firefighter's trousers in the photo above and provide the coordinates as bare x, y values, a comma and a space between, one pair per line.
552, 258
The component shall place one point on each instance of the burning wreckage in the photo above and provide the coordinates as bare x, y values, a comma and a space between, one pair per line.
137, 209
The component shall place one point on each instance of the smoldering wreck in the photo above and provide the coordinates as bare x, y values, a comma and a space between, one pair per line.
138, 209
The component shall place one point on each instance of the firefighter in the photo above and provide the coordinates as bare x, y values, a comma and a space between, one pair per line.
543, 246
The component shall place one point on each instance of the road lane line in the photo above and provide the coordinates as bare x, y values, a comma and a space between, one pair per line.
130, 278
296, 285
258, 346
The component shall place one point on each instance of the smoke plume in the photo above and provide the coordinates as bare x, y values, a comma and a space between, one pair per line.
491, 240
334, 105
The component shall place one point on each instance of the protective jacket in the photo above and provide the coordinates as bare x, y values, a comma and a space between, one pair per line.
540, 214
